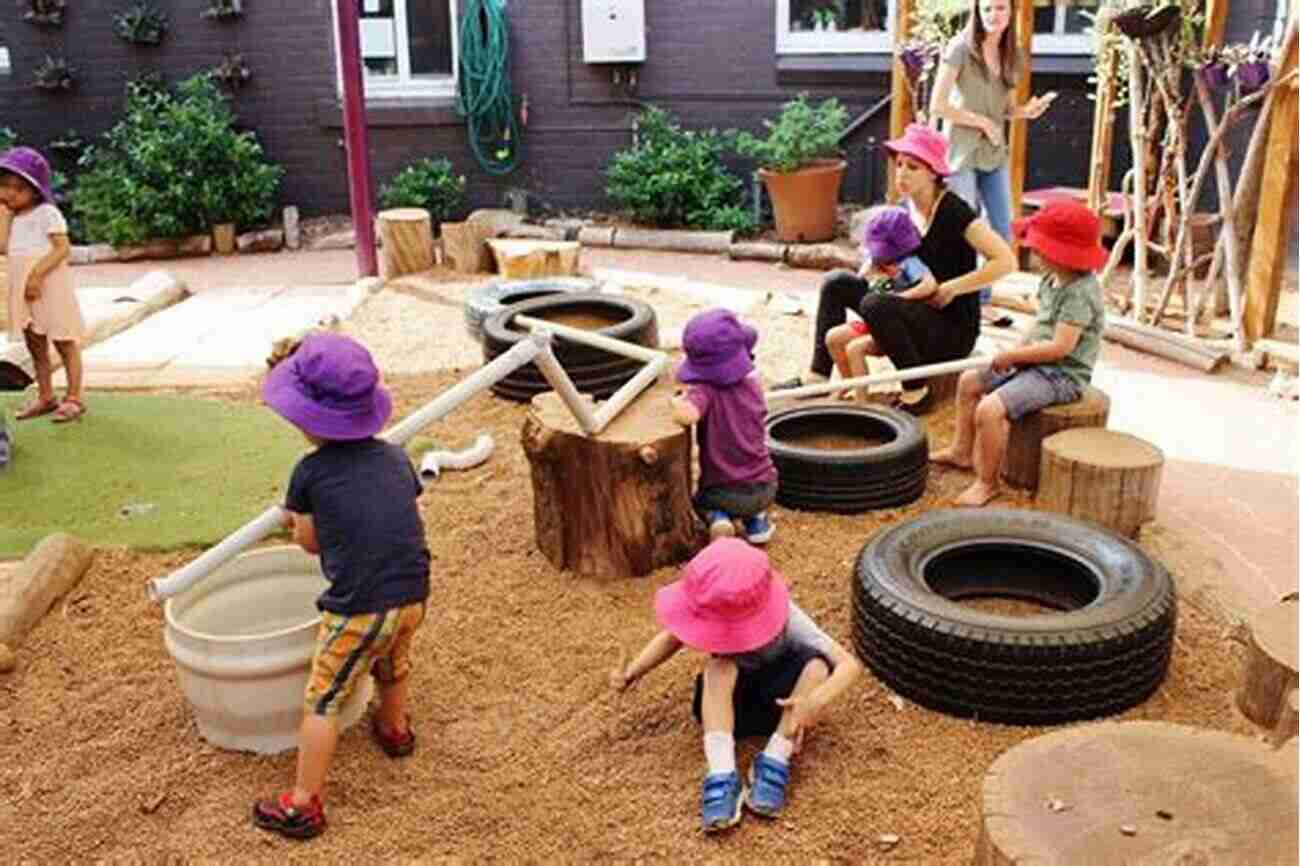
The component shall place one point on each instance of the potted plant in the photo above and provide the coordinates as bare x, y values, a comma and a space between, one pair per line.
223, 9
801, 166
142, 23
232, 71
45, 13
54, 73
825, 18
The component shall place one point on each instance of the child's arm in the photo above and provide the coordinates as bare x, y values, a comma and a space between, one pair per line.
660, 648
304, 530
685, 412
6, 223
808, 709
1064, 339
36, 275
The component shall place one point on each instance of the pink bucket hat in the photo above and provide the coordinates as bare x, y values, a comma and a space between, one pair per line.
921, 142
728, 600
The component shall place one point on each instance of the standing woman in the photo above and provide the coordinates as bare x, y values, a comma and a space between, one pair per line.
980, 68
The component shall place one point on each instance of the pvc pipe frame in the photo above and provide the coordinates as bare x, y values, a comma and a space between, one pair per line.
882, 378
536, 348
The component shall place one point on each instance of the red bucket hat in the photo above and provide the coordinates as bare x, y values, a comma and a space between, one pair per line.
1066, 233
921, 142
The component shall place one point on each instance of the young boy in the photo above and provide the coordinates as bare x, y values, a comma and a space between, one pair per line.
353, 502
1054, 362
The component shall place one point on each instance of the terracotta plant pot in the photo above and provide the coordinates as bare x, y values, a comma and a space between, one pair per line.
223, 238
804, 201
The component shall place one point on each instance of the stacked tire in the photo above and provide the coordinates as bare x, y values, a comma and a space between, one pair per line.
488, 299
1104, 647
593, 371
852, 480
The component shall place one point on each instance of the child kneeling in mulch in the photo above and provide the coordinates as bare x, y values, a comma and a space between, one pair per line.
353, 502
770, 671
1053, 364
724, 400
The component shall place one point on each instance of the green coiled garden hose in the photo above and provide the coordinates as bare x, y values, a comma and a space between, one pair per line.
483, 95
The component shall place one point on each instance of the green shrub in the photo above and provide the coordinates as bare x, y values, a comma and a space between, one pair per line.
672, 177
430, 184
732, 218
173, 166
801, 135
8, 138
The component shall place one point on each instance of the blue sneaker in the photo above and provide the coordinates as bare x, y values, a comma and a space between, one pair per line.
720, 525
720, 801
767, 780
758, 529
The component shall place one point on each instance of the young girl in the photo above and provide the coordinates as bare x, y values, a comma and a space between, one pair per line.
724, 399
42, 303
770, 671
890, 242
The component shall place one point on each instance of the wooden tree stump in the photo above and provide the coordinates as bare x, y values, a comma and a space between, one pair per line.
1104, 476
619, 503
1270, 670
1150, 793
465, 246
1024, 446
527, 259
52, 568
406, 235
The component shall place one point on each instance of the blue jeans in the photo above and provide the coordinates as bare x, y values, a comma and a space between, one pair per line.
989, 191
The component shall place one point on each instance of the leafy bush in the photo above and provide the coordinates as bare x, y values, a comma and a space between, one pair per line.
672, 177
173, 166
8, 138
732, 218
801, 135
430, 184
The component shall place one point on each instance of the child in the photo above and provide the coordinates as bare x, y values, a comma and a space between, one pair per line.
724, 399
352, 501
42, 303
1054, 362
889, 241
770, 671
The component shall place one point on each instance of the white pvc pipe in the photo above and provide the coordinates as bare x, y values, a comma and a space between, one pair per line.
433, 462
272, 518
561, 383
882, 378
590, 338
631, 389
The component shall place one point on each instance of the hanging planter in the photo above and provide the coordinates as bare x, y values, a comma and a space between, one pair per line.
222, 9
45, 13
232, 72
142, 23
54, 74
1145, 22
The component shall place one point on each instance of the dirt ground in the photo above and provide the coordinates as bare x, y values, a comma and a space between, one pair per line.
524, 753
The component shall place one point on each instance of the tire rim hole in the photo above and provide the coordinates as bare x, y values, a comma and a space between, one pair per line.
833, 432
1011, 579
587, 317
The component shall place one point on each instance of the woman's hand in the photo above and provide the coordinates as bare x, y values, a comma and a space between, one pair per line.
1034, 108
992, 130
940, 297
32, 288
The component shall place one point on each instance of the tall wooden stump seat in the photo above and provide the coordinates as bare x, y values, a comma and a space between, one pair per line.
1269, 675
618, 503
1104, 476
1151, 793
1024, 445
406, 236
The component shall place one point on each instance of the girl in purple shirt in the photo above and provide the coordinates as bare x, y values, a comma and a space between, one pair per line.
723, 398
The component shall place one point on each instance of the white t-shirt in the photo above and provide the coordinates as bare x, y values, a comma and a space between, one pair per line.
30, 231
799, 631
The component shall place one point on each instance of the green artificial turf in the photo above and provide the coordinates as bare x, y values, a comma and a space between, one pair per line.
205, 466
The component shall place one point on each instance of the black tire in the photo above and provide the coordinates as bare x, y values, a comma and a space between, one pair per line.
593, 371
1105, 649
491, 298
848, 481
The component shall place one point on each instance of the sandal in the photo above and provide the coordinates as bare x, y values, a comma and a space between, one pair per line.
37, 408
394, 745
71, 409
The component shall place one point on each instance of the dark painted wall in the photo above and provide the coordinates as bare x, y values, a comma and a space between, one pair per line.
711, 64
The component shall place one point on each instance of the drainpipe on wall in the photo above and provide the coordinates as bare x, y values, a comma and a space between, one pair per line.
355, 136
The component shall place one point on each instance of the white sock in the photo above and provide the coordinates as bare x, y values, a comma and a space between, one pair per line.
779, 748
720, 752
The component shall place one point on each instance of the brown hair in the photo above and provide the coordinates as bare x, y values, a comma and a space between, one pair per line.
1008, 52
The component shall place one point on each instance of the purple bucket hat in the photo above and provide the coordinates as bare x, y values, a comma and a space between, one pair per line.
718, 348
31, 167
329, 388
890, 235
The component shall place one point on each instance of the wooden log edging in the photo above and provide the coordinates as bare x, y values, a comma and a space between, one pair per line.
1174, 347
54, 566
672, 240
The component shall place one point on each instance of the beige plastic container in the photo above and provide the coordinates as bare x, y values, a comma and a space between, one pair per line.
242, 640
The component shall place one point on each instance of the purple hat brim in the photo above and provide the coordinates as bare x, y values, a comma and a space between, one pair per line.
727, 372
282, 394
674, 612
41, 188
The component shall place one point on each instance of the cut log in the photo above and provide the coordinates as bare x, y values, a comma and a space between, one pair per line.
673, 240
465, 245
1287, 726
1104, 476
528, 260
617, 504
52, 568
1025, 444
759, 251
407, 241
822, 257
1269, 673
1164, 344
1150, 793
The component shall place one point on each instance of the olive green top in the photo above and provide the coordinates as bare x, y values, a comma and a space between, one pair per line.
976, 90
1076, 303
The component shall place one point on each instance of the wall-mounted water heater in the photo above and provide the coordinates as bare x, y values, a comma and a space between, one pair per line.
613, 31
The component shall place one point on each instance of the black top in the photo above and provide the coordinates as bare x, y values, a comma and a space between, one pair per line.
361, 496
948, 254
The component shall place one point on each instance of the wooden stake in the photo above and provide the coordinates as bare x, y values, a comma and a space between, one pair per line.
901, 110
1020, 128
1103, 127
1138, 141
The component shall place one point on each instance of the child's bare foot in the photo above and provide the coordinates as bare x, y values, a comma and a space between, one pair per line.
950, 457
978, 494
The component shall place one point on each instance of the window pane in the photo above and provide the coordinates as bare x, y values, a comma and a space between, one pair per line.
5, 68
428, 28
1075, 22
378, 39
1044, 16
840, 15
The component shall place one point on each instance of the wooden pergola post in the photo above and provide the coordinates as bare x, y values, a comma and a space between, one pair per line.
1020, 128
901, 109
1275, 221
1103, 135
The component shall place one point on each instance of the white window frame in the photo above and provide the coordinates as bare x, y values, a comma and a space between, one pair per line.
834, 42
6, 63
1059, 42
402, 85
